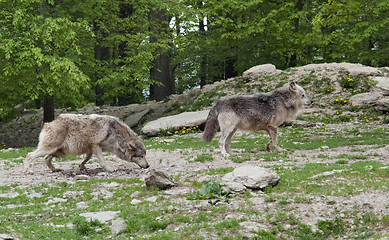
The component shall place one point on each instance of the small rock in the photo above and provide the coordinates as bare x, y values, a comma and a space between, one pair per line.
135, 194
9, 195
55, 201
152, 199
81, 177
82, 205
118, 226
34, 195
159, 179
248, 176
5, 236
326, 174
135, 201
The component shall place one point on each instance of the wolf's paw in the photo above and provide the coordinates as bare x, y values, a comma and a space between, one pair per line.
28, 171
109, 169
226, 155
279, 150
268, 147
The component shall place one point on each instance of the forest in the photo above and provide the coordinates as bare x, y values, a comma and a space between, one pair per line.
68, 53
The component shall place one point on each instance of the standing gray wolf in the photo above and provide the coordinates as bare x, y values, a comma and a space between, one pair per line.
77, 134
261, 111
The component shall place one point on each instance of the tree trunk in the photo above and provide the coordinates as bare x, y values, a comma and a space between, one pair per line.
101, 54
203, 57
48, 109
229, 69
299, 7
161, 71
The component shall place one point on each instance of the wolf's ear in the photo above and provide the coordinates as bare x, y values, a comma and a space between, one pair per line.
293, 85
131, 145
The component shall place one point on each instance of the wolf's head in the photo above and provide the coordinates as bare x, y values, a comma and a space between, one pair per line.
136, 152
299, 92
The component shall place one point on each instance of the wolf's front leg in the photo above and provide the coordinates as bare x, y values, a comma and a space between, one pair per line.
99, 154
273, 139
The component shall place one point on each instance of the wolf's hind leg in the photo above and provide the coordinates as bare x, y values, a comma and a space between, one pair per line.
228, 142
273, 139
48, 163
268, 146
224, 142
86, 159
227, 122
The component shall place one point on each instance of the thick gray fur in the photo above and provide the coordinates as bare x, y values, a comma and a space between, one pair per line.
261, 111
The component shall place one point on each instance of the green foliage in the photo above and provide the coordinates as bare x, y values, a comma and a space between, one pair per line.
210, 190
343, 36
102, 51
42, 53
86, 228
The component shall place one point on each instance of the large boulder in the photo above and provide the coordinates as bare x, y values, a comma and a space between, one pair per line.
185, 119
354, 69
382, 85
383, 105
134, 118
260, 70
365, 99
249, 177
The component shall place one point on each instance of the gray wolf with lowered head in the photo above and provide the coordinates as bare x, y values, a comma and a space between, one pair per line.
261, 111
77, 134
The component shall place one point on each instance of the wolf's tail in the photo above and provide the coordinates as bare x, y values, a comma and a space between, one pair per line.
211, 125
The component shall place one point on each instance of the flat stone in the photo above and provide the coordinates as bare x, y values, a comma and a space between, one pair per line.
102, 217
9, 195
185, 119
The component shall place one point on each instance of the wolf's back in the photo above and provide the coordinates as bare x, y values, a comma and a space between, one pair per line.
212, 124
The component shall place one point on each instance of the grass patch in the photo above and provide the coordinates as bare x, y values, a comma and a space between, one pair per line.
204, 158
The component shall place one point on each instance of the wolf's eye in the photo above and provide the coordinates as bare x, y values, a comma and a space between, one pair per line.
303, 95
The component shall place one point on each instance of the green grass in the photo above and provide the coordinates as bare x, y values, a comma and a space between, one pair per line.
15, 153
204, 158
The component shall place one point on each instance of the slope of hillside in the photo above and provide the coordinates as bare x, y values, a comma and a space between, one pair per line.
331, 86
